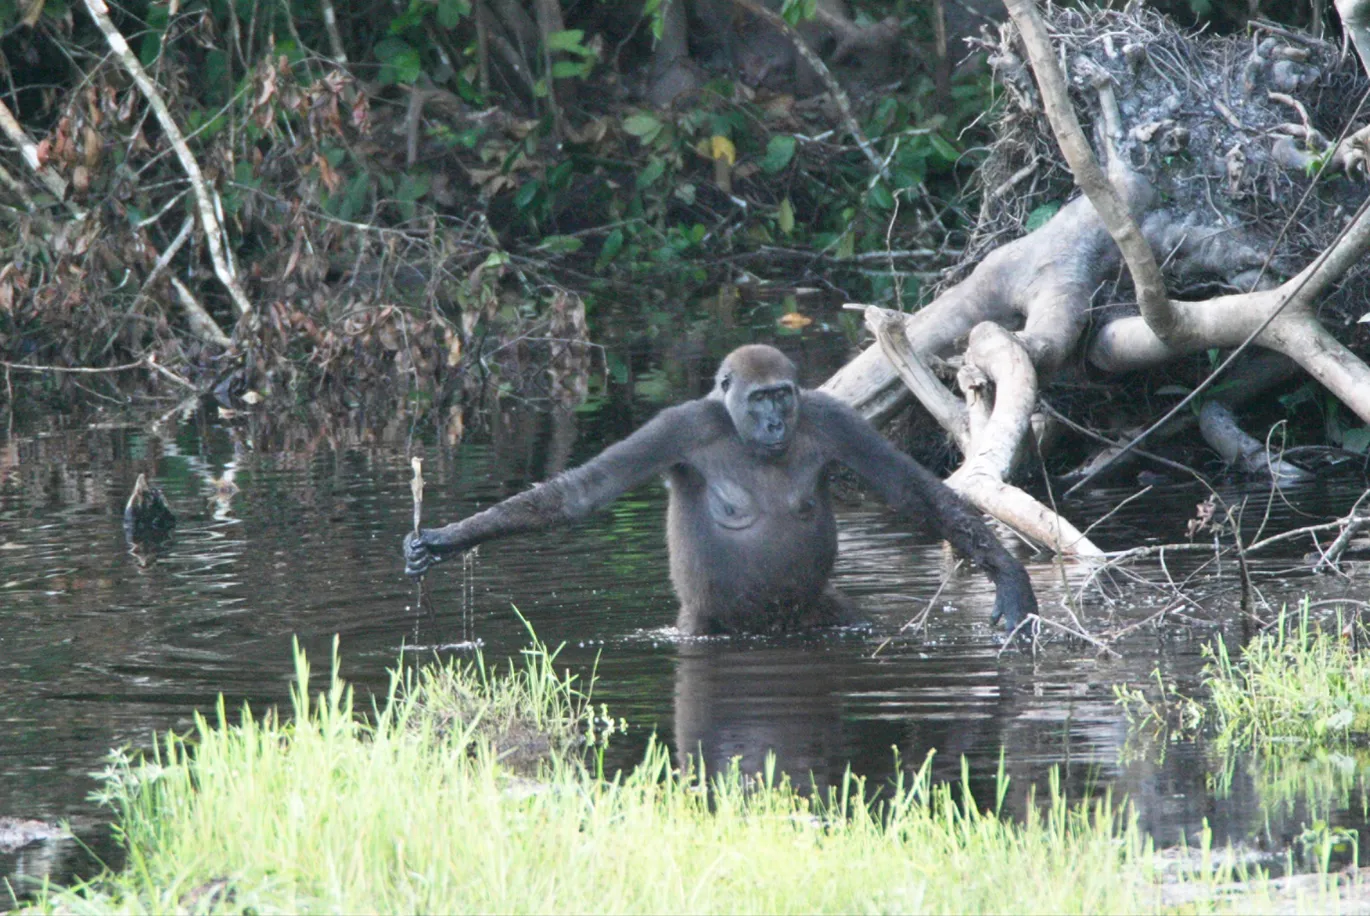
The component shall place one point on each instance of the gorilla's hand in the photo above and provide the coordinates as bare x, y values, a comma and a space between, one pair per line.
422, 550
1013, 599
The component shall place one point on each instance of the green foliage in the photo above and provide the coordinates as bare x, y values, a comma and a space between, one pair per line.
400, 62
1304, 679
151, 46
797, 11
1302, 682
571, 42
779, 153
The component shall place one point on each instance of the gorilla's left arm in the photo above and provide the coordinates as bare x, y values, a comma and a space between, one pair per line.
908, 487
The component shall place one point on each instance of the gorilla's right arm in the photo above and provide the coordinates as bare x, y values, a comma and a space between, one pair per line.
664, 441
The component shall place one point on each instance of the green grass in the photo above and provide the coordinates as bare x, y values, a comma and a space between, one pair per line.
1300, 683
412, 808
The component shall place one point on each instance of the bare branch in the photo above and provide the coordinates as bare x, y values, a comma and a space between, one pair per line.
209, 220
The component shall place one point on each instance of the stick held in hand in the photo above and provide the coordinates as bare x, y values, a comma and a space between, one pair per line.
416, 488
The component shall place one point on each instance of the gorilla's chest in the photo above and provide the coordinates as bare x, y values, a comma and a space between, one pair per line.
740, 493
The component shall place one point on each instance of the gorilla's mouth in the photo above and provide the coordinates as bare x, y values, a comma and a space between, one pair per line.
772, 449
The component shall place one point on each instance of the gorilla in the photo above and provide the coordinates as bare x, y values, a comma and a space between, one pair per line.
749, 528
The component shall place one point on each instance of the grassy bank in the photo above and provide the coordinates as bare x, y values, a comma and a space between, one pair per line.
415, 807
1304, 680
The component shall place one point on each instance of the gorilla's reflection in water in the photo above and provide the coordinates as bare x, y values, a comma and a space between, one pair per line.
822, 704
811, 704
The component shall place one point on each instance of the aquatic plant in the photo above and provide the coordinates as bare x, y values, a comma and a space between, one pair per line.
1301, 680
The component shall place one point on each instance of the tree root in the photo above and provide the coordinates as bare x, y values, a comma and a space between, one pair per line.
1047, 279
1244, 452
996, 355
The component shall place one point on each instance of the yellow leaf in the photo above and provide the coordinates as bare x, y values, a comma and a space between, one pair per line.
720, 147
785, 218
794, 321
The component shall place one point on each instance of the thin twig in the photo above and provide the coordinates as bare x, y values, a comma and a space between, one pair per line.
916, 620
1080, 634
1111, 512
73, 370
1099, 437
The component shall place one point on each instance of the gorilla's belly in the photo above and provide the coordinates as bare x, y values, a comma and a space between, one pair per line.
773, 555
746, 556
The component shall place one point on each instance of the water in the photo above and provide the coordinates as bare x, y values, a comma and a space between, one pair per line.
102, 646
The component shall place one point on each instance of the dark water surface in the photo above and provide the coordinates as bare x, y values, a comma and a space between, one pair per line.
101, 646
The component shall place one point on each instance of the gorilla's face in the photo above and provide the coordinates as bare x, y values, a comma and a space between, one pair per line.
765, 415
758, 385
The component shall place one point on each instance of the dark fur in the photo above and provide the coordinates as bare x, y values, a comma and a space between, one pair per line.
750, 526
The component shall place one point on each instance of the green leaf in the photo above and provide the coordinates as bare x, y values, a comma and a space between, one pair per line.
527, 193
570, 42
218, 81
779, 152
157, 16
412, 187
880, 196
653, 12
785, 218
570, 69
560, 176
388, 49
643, 126
450, 12
648, 176
354, 197
400, 63
410, 18
613, 244
797, 11
943, 147
563, 244
1041, 214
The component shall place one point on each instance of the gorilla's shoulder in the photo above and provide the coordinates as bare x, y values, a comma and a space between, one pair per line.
819, 406
701, 419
